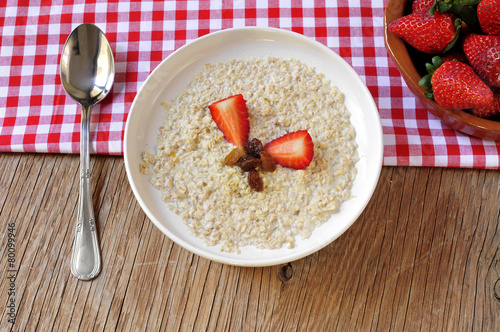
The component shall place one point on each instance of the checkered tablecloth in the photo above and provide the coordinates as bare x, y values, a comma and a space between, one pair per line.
37, 116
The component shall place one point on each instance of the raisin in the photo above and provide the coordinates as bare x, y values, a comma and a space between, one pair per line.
232, 158
253, 147
268, 163
248, 163
255, 181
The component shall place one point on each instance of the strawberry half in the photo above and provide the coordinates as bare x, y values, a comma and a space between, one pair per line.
231, 116
294, 150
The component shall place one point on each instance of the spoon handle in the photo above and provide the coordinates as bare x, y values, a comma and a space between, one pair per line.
86, 258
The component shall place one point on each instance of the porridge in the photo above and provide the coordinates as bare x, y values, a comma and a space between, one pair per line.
215, 200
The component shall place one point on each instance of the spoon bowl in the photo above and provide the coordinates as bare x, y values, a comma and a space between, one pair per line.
87, 65
87, 75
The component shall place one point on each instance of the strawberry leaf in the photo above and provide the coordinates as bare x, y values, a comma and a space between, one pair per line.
437, 61
469, 15
465, 9
430, 68
443, 6
458, 26
433, 8
425, 81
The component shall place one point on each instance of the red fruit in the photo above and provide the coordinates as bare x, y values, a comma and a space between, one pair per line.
483, 53
294, 150
231, 116
493, 109
455, 56
419, 5
456, 86
427, 33
488, 15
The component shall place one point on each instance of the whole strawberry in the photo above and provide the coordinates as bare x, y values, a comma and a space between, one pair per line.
492, 110
427, 33
455, 85
455, 55
488, 15
419, 5
483, 53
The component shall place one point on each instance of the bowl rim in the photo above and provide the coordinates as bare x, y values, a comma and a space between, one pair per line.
459, 120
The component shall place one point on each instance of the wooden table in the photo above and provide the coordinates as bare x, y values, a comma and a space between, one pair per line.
424, 255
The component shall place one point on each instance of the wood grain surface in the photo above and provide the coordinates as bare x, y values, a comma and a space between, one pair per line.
423, 256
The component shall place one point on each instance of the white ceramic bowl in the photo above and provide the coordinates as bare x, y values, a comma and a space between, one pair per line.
173, 74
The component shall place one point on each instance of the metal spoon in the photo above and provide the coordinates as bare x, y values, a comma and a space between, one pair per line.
87, 74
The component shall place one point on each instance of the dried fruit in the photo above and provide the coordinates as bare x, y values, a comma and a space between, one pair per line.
255, 181
253, 147
268, 163
248, 163
236, 154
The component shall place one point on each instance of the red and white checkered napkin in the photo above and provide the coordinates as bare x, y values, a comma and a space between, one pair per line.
37, 116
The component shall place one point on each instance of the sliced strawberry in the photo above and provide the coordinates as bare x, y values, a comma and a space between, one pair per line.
231, 116
294, 150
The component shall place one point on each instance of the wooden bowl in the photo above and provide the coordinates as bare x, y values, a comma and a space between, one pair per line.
404, 57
